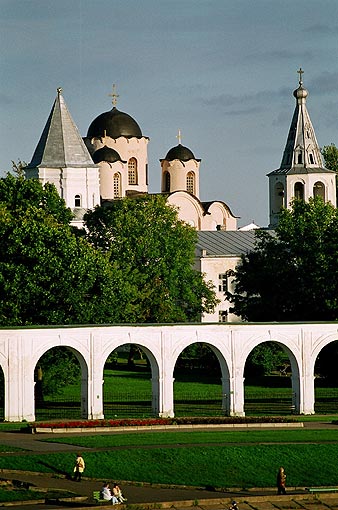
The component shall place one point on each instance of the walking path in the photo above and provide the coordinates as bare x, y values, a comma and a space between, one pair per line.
151, 496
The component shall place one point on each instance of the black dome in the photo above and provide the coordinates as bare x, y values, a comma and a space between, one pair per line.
179, 152
106, 154
114, 124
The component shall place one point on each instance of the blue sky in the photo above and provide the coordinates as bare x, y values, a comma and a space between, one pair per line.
221, 71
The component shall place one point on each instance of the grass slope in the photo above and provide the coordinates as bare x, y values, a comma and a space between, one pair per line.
198, 437
231, 466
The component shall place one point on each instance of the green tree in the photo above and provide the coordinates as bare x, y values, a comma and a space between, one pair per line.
144, 239
19, 168
330, 154
264, 359
47, 274
58, 364
292, 275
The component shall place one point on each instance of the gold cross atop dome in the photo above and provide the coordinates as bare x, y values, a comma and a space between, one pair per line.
114, 95
179, 137
300, 72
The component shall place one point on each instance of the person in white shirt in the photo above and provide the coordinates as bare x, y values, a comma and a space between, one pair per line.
107, 495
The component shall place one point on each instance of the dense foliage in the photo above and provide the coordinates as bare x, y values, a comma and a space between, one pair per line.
48, 275
265, 359
292, 275
135, 264
330, 154
145, 240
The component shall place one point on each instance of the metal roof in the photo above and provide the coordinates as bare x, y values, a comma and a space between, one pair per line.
60, 145
302, 153
220, 243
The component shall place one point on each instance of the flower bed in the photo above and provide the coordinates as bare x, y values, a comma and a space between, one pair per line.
149, 422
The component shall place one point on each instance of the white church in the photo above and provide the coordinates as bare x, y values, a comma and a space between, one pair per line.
111, 162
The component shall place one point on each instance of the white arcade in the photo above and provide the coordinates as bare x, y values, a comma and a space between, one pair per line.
20, 350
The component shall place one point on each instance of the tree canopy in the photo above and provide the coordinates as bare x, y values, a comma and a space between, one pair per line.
144, 239
134, 264
292, 275
330, 154
47, 274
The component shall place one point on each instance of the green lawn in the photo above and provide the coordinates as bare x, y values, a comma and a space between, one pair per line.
222, 466
200, 437
118, 381
242, 459
5, 448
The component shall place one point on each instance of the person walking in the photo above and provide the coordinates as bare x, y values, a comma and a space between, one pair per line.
78, 468
281, 481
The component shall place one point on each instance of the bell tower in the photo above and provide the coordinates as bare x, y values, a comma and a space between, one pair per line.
301, 174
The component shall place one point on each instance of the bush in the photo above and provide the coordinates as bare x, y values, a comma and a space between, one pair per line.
158, 421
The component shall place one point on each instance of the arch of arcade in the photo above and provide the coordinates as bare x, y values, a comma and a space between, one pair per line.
20, 350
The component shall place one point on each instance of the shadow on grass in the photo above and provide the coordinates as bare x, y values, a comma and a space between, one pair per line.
60, 472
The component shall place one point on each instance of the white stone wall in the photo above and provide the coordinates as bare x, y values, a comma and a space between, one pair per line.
20, 350
212, 267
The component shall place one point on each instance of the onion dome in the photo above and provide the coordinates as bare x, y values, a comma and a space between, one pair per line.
106, 154
179, 152
114, 124
300, 93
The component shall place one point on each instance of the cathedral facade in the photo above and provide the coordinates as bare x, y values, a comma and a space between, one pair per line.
111, 162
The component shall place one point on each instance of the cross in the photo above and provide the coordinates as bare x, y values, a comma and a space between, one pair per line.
179, 138
300, 72
59, 90
114, 95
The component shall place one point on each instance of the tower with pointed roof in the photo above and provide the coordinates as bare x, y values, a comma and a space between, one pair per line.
302, 174
61, 158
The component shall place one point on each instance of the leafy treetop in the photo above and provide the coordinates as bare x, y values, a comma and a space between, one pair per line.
155, 251
293, 274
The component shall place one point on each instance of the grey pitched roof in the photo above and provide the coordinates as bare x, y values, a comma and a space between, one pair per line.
60, 145
301, 142
220, 243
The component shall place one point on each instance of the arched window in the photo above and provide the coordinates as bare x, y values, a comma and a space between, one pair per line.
191, 182
77, 201
299, 191
167, 182
117, 185
279, 196
319, 190
311, 159
299, 158
132, 171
